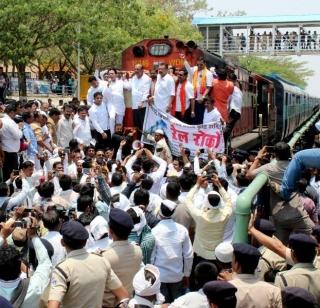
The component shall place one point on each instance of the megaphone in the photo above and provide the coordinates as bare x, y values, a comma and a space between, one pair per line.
137, 145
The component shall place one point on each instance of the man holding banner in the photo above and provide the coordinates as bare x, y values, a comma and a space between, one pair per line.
209, 135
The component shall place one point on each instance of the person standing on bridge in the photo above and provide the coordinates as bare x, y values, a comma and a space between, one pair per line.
202, 80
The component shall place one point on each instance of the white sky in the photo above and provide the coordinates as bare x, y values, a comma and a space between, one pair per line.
278, 7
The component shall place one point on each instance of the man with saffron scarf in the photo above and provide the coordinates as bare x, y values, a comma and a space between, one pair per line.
202, 80
184, 99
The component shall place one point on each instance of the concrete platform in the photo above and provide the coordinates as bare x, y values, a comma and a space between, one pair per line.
249, 140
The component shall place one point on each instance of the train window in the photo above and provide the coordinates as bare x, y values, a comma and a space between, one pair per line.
159, 49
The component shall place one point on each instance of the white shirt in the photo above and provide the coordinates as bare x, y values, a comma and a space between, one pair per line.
140, 89
191, 300
98, 245
99, 117
92, 90
138, 300
59, 253
191, 71
124, 202
81, 131
172, 253
236, 100
164, 89
64, 132
230, 226
70, 196
157, 175
10, 135
48, 141
189, 95
113, 97
317, 125
213, 116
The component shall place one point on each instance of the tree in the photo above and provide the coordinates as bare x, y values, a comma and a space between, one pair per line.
286, 67
183, 9
108, 27
27, 27
41, 32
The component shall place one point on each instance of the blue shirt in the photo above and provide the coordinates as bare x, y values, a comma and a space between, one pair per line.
30, 136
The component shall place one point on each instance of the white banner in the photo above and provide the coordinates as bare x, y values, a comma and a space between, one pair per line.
192, 137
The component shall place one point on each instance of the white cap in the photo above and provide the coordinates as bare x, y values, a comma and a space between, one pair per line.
159, 131
169, 204
99, 227
224, 252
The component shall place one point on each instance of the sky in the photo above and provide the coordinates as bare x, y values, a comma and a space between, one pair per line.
278, 7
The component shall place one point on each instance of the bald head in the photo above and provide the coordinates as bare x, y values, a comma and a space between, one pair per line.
138, 68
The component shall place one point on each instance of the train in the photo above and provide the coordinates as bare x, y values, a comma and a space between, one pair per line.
276, 105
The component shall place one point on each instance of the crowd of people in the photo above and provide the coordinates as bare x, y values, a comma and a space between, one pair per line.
263, 40
91, 217
194, 95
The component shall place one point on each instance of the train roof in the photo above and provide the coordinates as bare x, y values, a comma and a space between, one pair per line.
287, 85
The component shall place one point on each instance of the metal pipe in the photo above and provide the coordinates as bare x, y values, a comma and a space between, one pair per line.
244, 200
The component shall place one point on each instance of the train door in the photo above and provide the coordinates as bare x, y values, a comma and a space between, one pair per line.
263, 102
285, 114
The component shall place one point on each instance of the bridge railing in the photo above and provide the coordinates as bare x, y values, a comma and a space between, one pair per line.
244, 200
262, 44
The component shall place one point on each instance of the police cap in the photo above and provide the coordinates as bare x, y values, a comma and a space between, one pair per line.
120, 222
220, 293
301, 241
73, 230
246, 250
293, 297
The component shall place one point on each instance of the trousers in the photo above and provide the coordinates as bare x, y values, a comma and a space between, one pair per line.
304, 159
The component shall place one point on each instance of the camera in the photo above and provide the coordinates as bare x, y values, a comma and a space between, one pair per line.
24, 223
201, 151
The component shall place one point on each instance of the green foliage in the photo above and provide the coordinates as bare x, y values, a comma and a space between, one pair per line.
286, 67
40, 32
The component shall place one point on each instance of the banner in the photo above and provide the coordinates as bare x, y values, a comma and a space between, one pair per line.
192, 137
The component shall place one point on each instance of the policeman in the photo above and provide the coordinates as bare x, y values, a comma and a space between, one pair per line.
296, 297
270, 263
303, 274
251, 292
124, 257
80, 279
220, 294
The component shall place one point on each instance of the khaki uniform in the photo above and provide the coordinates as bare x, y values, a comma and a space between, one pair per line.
253, 293
36, 127
301, 275
81, 280
125, 259
52, 130
269, 260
